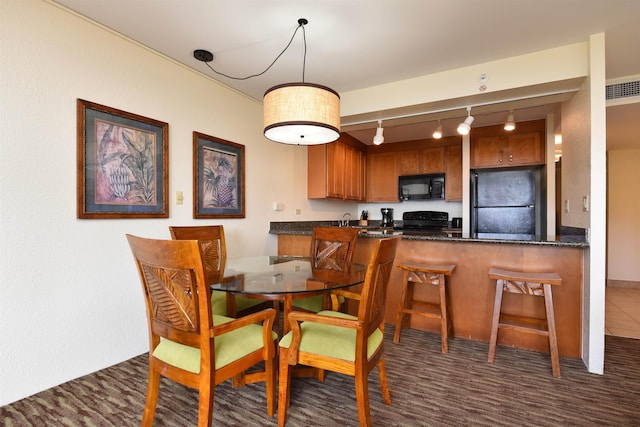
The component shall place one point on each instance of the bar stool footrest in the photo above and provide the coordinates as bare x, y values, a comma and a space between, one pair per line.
428, 310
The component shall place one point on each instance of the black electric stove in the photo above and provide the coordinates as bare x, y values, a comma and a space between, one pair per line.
424, 221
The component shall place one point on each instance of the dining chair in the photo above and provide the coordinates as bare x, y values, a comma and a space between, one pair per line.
214, 249
329, 245
187, 343
339, 342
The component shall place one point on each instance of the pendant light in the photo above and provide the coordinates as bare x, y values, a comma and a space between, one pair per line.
297, 113
378, 138
437, 134
465, 127
510, 124
301, 113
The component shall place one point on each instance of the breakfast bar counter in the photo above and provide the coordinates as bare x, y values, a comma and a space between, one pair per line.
471, 292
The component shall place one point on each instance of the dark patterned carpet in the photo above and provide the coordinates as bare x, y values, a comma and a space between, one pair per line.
427, 388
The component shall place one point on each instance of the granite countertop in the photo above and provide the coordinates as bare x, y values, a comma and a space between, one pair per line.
304, 228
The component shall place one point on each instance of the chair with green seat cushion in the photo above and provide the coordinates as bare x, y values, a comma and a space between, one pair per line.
339, 342
187, 343
228, 347
328, 245
212, 240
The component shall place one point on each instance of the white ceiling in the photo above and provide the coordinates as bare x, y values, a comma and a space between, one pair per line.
354, 44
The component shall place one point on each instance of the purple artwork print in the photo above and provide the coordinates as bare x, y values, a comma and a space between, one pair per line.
220, 188
125, 165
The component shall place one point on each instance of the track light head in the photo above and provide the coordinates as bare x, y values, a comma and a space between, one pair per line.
437, 134
378, 138
465, 127
510, 124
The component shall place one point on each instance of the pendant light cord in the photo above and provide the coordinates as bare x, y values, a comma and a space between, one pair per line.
301, 23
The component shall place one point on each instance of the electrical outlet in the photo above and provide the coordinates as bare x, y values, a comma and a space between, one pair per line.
298, 211
585, 203
566, 206
179, 198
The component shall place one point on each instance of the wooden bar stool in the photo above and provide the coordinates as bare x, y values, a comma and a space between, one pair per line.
536, 284
430, 274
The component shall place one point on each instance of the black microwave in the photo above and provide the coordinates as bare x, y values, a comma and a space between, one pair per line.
421, 187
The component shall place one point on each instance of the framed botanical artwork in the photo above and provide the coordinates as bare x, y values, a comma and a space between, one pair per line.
123, 164
218, 178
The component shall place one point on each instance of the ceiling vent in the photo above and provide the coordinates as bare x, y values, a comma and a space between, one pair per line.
623, 91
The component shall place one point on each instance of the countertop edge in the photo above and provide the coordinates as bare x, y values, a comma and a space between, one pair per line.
573, 241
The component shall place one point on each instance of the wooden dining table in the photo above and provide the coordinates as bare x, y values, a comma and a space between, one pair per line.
285, 278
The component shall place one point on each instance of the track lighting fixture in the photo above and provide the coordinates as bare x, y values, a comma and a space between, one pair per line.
437, 134
295, 113
510, 124
378, 138
465, 127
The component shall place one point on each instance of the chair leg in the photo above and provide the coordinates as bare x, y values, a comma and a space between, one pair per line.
444, 320
362, 397
403, 304
153, 388
270, 380
551, 326
205, 404
384, 385
283, 388
497, 306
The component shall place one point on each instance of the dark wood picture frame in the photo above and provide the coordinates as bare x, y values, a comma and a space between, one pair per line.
122, 164
218, 178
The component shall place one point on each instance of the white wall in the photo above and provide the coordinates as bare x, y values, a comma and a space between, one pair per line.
70, 298
623, 211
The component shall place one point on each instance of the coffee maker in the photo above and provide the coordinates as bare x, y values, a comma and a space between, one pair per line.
387, 217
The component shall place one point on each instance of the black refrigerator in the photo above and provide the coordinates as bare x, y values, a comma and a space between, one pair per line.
508, 201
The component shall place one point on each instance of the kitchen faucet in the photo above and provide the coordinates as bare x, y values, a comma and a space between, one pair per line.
345, 220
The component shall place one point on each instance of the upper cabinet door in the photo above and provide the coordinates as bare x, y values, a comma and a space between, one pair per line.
453, 181
354, 174
433, 160
487, 151
336, 161
382, 177
525, 149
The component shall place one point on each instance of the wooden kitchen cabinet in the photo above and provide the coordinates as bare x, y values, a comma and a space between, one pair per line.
336, 170
382, 177
453, 180
428, 160
355, 168
493, 147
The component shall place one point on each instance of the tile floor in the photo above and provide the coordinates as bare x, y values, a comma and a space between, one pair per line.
622, 312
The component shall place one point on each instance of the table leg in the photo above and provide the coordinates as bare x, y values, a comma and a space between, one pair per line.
288, 306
